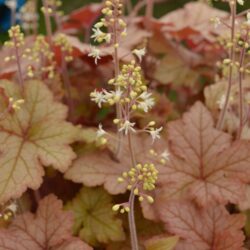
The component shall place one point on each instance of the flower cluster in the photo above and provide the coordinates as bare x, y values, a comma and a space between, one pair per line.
112, 21
241, 45
65, 46
241, 2
154, 132
140, 179
145, 175
8, 211
162, 157
51, 6
16, 37
41, 54
15, 104
16, 42
131, 90
132, 94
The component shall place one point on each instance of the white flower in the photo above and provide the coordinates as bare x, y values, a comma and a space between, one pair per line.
12, 207
95, 53
12, 4
165, 155
100, 132
107, 38
241, 2
139, 53
114, 95
216, 22
221, 102
127, 126
147, 101
248, 18
117, 94
155, 134
98, 34
98, 97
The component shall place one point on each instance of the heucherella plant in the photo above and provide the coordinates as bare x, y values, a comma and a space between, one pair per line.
130, 94
121, 130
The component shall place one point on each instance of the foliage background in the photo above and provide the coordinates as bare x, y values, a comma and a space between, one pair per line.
160, 9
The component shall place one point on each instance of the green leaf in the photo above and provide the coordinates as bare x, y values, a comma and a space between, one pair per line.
162, 243
37, 135
95, 221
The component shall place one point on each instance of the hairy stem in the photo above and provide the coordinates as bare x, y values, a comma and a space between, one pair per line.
117, 72
131, 217
131, 220
220, 122
19, 69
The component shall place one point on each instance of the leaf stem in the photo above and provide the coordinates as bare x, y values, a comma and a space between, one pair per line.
220, 122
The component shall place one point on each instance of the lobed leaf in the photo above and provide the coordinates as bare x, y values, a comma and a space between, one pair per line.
49, 228
205, 165
95, 221
209, 228
36, 135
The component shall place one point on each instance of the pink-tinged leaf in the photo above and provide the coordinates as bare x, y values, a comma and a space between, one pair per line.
82, 18
209, 228
205, 165
36, 135
245, 204
74, 244
101, 168
193, 19
49, 228
98, 168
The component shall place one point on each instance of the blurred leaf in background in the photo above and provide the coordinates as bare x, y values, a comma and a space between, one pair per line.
161, 9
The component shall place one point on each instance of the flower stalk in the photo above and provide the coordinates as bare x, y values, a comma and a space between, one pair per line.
241, 73
47, 11
66, 51
129, 94
233, 7
16, 42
